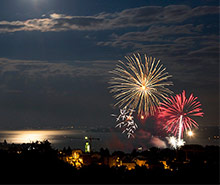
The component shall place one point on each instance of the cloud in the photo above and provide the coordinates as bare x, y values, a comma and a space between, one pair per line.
154, 33
157, 142
56, 23
44, 69
143, 134
190, 51
210, 51
59, 16
188, 65
134, 17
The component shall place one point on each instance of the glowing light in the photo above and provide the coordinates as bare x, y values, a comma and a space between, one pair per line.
166, 166
129, 118
190, 133
175, 142
27, 136
140, 85
180, 142
32, 137
143, 88
125, 120
87, 147
172, 141
75, 159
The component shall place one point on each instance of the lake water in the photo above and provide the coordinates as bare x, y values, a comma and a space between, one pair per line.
111, 140
64, 138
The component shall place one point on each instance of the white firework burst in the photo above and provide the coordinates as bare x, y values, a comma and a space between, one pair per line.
175, 142
125, 120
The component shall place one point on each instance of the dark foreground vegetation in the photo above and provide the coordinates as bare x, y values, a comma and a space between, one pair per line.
40, 163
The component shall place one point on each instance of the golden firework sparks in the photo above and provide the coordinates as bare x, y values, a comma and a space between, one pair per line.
140, 85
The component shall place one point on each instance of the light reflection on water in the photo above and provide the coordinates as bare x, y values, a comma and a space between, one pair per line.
27, 136
76, 139
59, 138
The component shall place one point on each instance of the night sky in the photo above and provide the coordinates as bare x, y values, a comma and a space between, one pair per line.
55, 56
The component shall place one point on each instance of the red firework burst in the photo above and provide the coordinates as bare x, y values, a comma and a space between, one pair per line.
176, 111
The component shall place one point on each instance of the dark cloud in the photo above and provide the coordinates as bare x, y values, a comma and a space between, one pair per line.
45, 69
208, 52
135, 17
188, 52
154, 34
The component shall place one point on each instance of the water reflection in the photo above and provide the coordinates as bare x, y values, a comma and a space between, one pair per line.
111, 140
26, 136
64, 138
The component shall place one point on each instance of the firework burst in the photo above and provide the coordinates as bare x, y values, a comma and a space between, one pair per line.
174, 142
140, 85
125, 120
177, 112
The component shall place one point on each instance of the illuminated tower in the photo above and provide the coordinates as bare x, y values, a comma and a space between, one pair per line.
87, 145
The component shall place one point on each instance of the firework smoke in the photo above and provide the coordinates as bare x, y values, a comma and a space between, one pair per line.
156, 141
